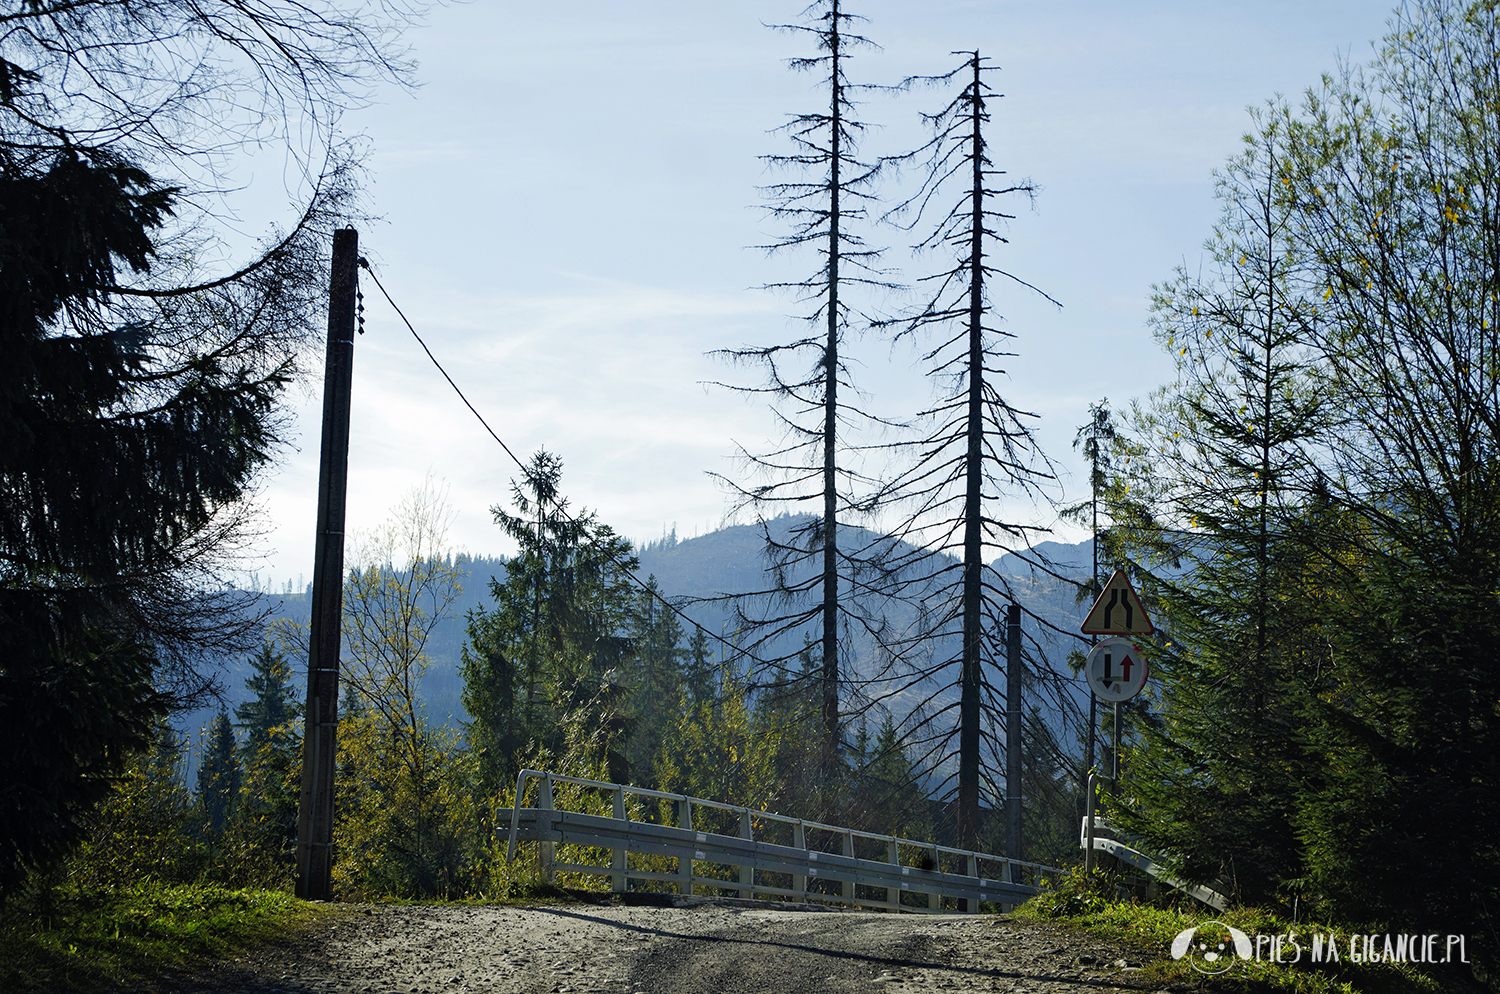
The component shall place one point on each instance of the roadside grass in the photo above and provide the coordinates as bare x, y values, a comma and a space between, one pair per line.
60, 939
1150, 929
104, 940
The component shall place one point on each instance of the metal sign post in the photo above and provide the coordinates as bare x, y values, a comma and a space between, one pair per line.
1115, 669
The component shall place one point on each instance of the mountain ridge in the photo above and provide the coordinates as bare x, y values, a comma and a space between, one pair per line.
726, 561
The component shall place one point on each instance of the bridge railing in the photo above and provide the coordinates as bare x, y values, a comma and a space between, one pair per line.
753, 861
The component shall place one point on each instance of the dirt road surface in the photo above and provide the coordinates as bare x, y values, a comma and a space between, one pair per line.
704, 947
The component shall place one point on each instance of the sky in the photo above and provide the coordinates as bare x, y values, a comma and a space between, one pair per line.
568, 208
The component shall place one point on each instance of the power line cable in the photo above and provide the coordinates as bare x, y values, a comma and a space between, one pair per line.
365, 265
738, 652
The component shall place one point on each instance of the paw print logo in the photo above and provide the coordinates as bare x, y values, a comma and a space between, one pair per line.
1212, 947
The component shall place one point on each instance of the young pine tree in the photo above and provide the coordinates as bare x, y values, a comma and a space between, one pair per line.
1217, 497
218, 775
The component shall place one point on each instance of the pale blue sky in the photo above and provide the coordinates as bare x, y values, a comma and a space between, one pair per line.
569, 202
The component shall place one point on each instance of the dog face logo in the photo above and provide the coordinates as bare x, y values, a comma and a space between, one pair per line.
1212, 947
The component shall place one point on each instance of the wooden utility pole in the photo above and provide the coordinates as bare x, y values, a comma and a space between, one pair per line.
1013, 719
315, 810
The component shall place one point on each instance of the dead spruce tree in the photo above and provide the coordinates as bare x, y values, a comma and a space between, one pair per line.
973, 448
813, 579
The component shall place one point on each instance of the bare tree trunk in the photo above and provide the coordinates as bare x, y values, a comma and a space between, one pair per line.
830, 440
973, 622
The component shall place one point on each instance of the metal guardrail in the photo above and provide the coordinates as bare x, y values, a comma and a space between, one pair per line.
1090, 841
751, 859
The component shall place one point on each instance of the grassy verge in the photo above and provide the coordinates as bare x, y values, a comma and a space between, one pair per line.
130, 937
1150, 929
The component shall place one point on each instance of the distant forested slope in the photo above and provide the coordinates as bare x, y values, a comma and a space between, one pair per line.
725, 561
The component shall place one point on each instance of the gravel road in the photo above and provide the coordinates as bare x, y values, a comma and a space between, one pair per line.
699, 946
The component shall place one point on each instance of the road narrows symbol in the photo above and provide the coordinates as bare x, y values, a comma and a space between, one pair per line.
1102, 618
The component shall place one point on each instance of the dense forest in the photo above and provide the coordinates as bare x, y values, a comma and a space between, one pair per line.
1308, 511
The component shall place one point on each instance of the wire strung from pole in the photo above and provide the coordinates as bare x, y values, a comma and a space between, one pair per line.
365, 265
738, 652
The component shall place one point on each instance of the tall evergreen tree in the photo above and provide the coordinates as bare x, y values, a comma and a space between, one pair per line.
272, 704
1330, 677
271, 754
114, 466
1229, 461
657, 683
1097, 441
888, 794
783, 712
218, 775
1393, 182
561, 621
137, 395
701, 681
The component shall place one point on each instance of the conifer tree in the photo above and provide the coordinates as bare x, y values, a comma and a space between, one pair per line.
561, 621
699, 677
273, 704
138, 391
1228, 453
1330, 678
1393, 184
814, 573
271, 755
974, 447
218, 775
114, 466
1097, 440
657, 682
783, 712
888, 793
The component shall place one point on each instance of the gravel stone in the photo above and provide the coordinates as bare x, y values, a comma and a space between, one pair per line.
700, 945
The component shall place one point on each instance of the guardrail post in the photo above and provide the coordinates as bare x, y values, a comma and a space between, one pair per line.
685, 863
893, 894
935, 897
747, 872
799, 841
548, 849
974, 872
847, 887
618, 881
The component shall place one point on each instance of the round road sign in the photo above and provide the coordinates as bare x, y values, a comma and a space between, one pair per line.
1115, 670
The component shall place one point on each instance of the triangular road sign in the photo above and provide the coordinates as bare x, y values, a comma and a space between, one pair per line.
1118, 611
